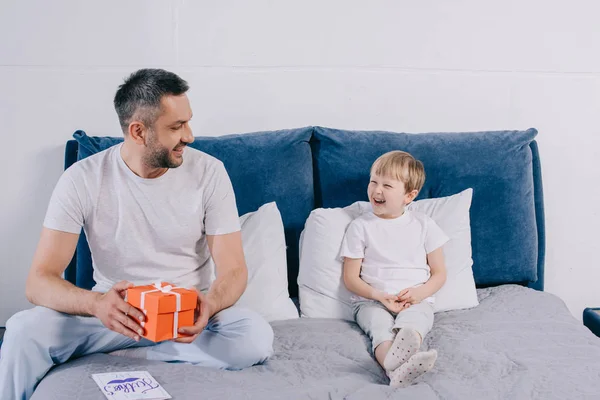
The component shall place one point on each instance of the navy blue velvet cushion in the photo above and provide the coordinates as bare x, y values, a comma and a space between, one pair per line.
263, 167
497, 165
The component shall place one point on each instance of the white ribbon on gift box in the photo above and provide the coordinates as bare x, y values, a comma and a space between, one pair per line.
167, 290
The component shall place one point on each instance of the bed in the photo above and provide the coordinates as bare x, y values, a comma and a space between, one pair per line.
518, 343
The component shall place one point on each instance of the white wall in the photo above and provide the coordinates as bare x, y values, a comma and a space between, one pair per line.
397, 65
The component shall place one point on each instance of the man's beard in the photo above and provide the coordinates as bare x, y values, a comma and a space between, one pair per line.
158, 156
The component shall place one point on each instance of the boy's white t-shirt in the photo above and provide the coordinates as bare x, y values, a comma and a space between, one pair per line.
142, 230
394, 251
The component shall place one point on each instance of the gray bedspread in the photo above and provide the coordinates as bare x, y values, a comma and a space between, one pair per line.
518, 344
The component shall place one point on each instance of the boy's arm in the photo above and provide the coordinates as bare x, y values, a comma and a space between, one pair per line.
355, 284
437, 265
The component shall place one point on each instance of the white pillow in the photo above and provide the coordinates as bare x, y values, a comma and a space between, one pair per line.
452, 215
264, 249
321, 287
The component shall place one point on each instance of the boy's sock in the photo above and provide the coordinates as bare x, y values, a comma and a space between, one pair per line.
406, 343
416, 366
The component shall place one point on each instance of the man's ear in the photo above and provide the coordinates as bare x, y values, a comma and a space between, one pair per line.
138, 132
409, 197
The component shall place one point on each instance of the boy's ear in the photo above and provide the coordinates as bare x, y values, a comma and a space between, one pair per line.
411, 196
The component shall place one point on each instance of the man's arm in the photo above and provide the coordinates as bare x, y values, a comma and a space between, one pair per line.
232, 277
230, 267
46, 287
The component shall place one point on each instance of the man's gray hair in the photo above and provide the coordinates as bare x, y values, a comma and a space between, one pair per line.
138, 98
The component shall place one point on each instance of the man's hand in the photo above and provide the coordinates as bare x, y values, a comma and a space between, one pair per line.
392, 303
116, 314
413, 295
204, 310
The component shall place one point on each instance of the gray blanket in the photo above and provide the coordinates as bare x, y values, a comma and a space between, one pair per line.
518, 344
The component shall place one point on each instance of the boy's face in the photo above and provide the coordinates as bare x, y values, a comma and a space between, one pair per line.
388, 196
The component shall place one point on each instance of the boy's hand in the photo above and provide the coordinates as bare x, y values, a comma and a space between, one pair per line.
413, 295
392, 303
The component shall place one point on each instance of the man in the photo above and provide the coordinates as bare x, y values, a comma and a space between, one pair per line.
152, 209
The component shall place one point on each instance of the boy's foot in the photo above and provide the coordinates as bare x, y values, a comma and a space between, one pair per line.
416, 366
406, 343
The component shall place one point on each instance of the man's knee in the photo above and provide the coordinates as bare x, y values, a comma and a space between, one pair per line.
260, 334
32, 325
255, 340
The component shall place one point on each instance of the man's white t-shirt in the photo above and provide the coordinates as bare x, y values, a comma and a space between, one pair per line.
394, 251
142, 230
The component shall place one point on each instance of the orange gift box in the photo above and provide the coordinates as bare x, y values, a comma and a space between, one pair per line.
167, 308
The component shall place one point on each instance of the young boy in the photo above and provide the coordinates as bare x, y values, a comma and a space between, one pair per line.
393, 262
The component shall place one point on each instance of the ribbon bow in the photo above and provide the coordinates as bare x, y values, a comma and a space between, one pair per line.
164, 289
168, 289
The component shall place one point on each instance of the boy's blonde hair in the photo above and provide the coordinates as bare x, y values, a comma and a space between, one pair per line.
401, 166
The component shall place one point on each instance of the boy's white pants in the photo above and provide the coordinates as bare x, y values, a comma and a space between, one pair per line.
381, 325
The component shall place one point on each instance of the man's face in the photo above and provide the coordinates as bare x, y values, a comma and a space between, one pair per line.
170, 133
387, 196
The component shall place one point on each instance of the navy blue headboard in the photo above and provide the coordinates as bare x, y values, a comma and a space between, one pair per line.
321, 167
539, 216
502, 168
